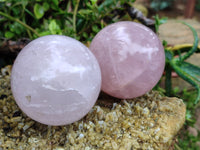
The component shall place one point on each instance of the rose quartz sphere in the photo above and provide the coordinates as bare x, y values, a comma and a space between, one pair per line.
131, 59
55, 80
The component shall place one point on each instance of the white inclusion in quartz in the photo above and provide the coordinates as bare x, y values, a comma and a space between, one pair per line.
128, 47
122, 42
144, 50
47, 86
49, 73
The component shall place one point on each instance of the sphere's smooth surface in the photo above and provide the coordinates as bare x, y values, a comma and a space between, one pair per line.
131, 58
55, 80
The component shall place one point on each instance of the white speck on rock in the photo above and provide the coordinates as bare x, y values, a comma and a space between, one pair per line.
156, 130
81, 136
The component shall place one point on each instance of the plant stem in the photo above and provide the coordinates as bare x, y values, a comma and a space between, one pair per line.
74, 16
168, 82
29, 34
27, 30
177, 147
20, 22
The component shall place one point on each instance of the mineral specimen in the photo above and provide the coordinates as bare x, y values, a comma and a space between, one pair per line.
55, 80
131, 59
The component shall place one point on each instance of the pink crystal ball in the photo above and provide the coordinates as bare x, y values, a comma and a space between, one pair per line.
55, 80
131, 58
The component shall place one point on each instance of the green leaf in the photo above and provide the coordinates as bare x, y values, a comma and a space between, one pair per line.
38, 11
163, 20
9, 34
54, 27
94, 2
84, 12
159, 21
95, 29
164, 5
164, 43
29, 12
16, 28
155, 5
188, 115
195, 44
168, 55
16, 11
56, 2
24, 3
187, 77
85, 35
191, 69
45, 6
160, 5
45, 33
105, 4
81, 24
55, 5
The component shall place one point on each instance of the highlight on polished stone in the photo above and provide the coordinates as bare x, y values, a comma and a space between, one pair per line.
131, 58
55, 80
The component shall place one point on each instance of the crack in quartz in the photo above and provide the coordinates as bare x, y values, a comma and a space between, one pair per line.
126, 44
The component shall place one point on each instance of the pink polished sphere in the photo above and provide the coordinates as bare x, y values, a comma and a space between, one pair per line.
55, 80
131, 59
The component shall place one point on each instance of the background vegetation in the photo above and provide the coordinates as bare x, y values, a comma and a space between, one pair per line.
83, 19
80, 19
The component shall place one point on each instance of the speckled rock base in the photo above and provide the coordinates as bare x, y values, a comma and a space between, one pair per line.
148, 122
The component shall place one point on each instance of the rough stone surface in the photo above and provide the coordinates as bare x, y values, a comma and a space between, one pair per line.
148, 122
56, 80
131, 59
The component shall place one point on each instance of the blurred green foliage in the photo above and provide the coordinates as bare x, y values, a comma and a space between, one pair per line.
80, 19
188, 141
188, 72
160, 4
185, 70
159, 21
